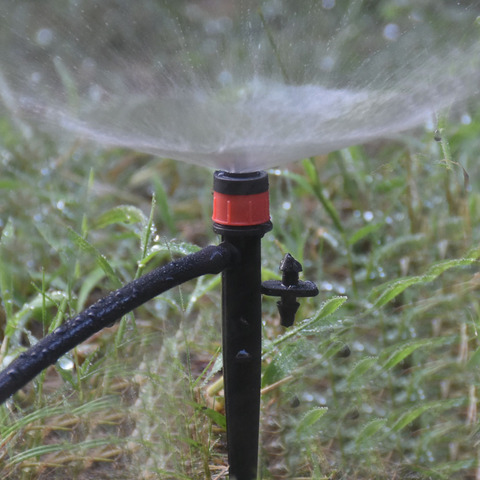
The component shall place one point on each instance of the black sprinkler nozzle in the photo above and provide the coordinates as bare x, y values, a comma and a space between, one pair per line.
288, 289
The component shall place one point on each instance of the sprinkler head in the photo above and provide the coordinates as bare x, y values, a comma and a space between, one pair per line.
241, 203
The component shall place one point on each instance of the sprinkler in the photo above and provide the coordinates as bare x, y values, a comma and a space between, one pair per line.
241, 216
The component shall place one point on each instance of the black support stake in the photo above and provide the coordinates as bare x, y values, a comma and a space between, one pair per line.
241, 204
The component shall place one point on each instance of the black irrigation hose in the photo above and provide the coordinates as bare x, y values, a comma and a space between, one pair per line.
212, 259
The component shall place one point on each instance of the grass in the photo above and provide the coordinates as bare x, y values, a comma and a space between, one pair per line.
378, 379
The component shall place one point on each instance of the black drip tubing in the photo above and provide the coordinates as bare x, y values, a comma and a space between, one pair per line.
210, 260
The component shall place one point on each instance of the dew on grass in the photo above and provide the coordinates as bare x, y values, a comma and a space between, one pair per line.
326, 286
368, 216
358, 346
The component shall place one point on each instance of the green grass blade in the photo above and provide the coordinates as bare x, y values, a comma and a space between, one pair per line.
100, 259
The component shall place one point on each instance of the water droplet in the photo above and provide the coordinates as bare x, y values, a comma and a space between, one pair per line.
65, 363
308, 397
244, 322
286, 205
391, 31
368, 216
328, 4
358, 347
44, 37
243, 356
327, 63
326, 286
60, 330
225, 78
95, 93
110, 324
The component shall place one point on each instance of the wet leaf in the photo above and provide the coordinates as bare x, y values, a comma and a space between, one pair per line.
100, 259
391, 290
121, 214
369, 430
363, 232
310, 419
412, 414
405, 350
361, 368
326, 309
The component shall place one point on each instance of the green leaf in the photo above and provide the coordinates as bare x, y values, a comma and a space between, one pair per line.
8, 184
89, 283
22, 422
369, 430
326, 309
407, 349
393, 289
203, 286
6, 279
213, 415
100, 260
474, 360
170, 248
361, 368
364, 232
121, 214
59, 447
39, 302
412, 414
310, 419
282, 363
164, 206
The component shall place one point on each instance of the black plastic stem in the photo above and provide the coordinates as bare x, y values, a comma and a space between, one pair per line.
242, 352
212, 259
